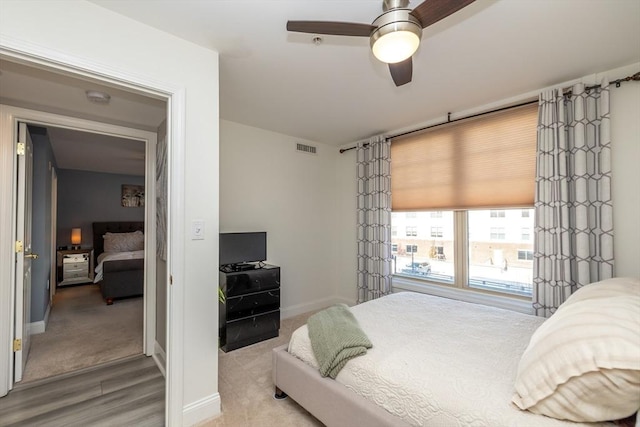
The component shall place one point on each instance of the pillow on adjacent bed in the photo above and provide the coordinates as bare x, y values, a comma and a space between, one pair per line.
123, 242
618, 286
583, 363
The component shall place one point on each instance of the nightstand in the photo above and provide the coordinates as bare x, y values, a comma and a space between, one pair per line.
75, 266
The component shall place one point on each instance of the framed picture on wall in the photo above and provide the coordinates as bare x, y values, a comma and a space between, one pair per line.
132, 196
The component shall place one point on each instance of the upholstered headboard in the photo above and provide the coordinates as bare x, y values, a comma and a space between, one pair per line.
99, 228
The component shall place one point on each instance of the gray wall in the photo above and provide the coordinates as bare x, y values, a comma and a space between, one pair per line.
87, 197
41, 222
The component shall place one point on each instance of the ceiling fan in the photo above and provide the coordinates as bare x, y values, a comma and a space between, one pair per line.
394, 35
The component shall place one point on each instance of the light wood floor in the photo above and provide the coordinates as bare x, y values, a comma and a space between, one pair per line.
124, 393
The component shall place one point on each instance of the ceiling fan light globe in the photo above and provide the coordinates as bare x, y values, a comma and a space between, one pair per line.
395, 46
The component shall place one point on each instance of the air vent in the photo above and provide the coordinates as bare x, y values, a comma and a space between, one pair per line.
309, 149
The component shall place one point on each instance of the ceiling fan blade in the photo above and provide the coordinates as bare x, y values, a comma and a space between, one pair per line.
331, 28
401, 72
431, 11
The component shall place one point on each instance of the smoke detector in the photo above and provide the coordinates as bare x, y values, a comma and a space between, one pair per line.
98, 97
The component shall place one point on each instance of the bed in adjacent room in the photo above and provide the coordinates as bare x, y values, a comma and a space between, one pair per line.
119, 252
441, 362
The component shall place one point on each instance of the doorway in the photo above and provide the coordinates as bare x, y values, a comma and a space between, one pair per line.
75, 329
174, 297
12, 115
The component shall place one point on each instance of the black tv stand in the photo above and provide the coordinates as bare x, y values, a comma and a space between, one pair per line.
251, 310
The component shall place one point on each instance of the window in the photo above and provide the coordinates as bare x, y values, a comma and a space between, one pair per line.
394, 247
436, 231
394, 231
497, 233
525, 255
411, 249
410, 215
411, 231
468, 182
495, 262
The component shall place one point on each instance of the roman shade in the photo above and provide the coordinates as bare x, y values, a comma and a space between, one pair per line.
482, 162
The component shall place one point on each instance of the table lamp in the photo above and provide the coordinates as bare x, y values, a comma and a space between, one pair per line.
76, 238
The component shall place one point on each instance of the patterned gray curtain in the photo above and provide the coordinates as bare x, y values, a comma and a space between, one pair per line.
374, 218
573, 209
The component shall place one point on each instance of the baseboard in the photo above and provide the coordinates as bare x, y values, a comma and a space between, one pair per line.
294, 310
40, 326
160, 357
201, 410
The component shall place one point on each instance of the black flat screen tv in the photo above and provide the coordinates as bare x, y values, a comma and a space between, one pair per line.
241, 248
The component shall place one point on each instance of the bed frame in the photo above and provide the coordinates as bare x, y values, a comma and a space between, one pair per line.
121, 278
326, 399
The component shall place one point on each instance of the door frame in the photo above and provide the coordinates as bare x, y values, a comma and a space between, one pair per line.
9, 119
53, 277
18, 50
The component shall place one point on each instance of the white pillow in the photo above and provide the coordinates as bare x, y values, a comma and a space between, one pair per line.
123, 242
583, 363
618, 286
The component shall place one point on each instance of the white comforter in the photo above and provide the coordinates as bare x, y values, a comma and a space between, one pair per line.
110, 256
438, 362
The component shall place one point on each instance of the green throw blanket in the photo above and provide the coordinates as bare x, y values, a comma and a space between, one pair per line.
336, 338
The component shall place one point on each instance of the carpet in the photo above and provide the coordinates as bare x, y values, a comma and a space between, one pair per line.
83, 331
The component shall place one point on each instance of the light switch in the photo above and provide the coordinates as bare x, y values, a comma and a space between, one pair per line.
197, 229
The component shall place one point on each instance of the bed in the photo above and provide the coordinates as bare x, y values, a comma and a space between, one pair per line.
119, 259
440, 362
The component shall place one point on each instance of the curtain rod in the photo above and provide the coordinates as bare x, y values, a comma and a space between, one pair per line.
635, 77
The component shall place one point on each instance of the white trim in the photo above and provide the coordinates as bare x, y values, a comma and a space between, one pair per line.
150, 282
507, 303
7, 254
176, 141
40, 326
200, 410
319, 304
160, 357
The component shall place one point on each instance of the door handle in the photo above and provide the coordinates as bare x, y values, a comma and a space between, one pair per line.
33, 256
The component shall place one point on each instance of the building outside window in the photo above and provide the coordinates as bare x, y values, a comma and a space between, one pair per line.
411, 231
499, 258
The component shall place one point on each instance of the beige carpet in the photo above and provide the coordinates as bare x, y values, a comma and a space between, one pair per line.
246, 388
83, 331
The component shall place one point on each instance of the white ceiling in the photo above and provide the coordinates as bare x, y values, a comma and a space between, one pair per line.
337, 92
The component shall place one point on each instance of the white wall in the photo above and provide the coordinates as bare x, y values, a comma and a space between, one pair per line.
85, 34
625, 179
266, 185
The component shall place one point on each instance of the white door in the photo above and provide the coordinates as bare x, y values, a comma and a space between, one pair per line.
24, 256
